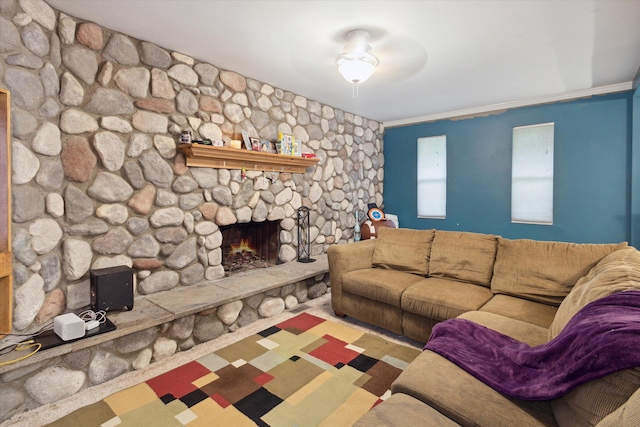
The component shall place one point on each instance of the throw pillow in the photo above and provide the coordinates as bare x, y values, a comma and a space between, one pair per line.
403, 249
464, 256
544, 271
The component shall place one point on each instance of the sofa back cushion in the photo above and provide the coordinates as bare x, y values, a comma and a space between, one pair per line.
468, 257
544, 271
403, 249
588, 404
616, 272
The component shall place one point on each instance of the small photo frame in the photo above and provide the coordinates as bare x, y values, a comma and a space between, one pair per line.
287, 143
267, 146
247, 141
255, 144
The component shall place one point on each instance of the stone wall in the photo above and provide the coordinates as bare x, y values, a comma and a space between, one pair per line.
97, 181
60, 377
96, 178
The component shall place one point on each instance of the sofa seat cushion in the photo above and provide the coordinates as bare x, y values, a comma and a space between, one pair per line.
379, 284
403, 249
466, 400
533, 335
376, 313
442, 299
403, 410
417, 327
468, 257
618, 271
521, 309
544, 271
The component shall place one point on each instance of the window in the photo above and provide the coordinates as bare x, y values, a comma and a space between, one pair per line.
432, 177
532, 174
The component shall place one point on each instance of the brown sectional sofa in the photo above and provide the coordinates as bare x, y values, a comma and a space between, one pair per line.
406, 281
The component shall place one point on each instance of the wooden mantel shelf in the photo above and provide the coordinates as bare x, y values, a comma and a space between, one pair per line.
206, 156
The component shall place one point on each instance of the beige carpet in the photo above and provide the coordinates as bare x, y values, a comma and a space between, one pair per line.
320, 307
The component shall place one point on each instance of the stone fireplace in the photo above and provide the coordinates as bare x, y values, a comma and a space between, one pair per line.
98, 182
250, 245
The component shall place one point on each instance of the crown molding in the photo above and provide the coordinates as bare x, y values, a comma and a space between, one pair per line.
565, 96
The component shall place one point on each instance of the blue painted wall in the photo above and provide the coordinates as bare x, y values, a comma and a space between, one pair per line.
635, 166
592, 183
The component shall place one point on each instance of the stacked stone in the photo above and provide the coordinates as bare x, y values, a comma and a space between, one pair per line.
64, 376
97, 180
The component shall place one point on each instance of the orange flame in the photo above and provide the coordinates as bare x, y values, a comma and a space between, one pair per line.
242, 247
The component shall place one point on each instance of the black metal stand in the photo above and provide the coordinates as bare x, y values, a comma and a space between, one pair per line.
304, 235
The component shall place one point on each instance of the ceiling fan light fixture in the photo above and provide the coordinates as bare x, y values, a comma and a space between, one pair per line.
357, 63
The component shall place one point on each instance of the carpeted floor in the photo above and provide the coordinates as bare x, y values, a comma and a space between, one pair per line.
303, 371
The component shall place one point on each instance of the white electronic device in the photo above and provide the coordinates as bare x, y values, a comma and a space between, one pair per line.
68, 326
91, 324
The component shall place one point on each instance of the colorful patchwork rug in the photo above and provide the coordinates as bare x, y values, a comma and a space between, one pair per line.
305, 371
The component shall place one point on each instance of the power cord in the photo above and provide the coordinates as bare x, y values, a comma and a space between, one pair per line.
16, 342
25, 345
46, 327
89, 315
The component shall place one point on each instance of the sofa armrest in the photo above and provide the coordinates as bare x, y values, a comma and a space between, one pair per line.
466, 400
403, 410
343, 259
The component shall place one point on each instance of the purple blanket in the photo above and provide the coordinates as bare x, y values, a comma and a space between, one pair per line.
602, 338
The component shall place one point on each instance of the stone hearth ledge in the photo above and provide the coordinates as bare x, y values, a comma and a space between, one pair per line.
163, 307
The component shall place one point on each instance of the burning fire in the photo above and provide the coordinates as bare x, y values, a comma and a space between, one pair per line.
242, 256
244, 246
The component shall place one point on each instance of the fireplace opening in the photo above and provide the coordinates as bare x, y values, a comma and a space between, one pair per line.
250, 245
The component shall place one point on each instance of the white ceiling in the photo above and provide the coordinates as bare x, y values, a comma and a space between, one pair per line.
435, 56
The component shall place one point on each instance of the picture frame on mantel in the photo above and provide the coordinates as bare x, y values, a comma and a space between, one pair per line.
267, 146
246, 140
255, 144
286, 144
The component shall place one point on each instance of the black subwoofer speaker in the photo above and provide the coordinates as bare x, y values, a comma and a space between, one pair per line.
112, 288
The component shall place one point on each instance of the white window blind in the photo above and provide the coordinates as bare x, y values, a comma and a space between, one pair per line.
532, 174
432, 177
